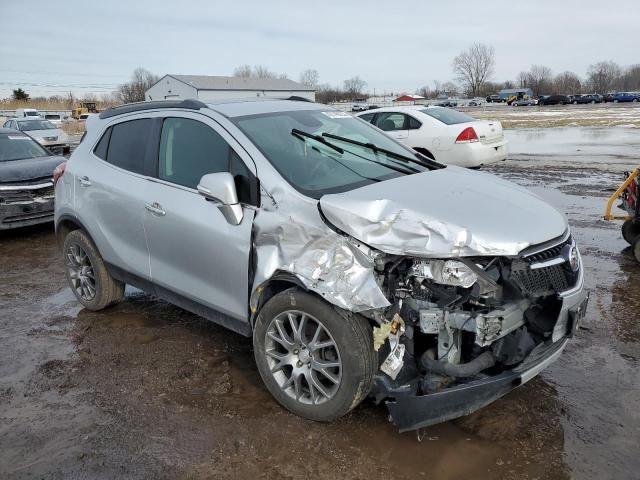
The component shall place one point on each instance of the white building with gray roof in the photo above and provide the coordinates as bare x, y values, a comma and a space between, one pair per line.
206, 87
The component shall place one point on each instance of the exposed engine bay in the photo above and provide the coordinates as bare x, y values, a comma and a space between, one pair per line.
456, 320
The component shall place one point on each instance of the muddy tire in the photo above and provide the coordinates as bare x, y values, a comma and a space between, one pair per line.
630, 231
316, 362
636, 249
87, 274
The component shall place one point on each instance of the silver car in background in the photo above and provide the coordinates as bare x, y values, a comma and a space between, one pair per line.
359, 266
42, 131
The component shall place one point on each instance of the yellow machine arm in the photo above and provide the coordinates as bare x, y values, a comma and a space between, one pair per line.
623, 187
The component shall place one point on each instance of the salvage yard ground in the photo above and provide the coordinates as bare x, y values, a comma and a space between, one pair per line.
146, 390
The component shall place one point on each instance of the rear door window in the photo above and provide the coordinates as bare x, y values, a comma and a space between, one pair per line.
367, 117
391, 121
128, 144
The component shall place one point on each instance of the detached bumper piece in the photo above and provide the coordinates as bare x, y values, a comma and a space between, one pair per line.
410, 411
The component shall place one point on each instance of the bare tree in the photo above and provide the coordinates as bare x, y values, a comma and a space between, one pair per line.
257, 71
354, 86
539, 79
522, 79
135, 89
604, 76
567, 83
475, 66
243, 71
309, 77
631, 78
425, 92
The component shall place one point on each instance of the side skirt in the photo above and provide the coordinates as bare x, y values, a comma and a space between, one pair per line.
243, 327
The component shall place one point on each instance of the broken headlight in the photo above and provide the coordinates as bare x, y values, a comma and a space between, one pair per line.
445, 272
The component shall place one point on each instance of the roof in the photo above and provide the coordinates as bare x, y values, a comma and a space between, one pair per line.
207, 82
413, 97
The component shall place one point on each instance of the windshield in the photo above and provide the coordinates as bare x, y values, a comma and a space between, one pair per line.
32, 114
30, 125
17, 146
447, 116
52, 117
321, 165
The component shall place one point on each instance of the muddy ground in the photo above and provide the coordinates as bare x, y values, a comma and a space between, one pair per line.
146, 390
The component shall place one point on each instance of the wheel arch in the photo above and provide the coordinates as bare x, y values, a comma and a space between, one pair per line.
425, 152
67, 224
279, 282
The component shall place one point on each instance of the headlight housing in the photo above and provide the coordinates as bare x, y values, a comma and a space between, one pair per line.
445, 272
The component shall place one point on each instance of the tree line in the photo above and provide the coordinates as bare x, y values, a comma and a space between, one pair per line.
473, 69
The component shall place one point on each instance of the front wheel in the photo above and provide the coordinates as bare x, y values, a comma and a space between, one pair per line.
635, 100
630, 231
315, 362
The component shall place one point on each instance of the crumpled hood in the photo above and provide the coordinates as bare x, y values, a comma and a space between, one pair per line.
445, 213
29, 169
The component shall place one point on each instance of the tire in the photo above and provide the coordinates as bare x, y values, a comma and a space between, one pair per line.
87, 274
630, 231
635, 100
616, 101
575, 103
280, 354
636, 249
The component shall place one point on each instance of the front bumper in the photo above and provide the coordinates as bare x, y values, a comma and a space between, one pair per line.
410, 411
21, 208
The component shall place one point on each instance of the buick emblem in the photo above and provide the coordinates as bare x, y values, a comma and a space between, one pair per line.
574, 259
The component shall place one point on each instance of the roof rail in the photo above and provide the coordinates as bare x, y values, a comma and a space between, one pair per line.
141, 106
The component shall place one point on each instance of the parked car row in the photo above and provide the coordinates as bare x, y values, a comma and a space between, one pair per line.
43, 131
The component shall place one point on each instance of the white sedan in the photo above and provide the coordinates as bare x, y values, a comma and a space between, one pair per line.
443, 134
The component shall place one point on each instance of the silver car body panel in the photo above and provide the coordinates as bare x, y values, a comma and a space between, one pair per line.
445, 213
441, 213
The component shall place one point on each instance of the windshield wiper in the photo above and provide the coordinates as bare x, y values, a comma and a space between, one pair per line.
299, 133
427, 162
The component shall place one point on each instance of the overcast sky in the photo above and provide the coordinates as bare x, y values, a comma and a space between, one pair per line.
91, 46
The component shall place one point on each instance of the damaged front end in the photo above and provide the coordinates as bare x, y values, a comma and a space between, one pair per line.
462, 332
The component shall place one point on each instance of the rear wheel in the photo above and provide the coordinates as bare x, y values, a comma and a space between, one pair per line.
636, 249
87, 274
315, 362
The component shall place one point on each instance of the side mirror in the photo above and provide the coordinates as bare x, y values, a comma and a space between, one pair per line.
220, 189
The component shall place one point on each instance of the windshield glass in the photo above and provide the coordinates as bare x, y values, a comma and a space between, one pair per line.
324, 165
32, 114
17, 146
51, 116
447, 116
30, 125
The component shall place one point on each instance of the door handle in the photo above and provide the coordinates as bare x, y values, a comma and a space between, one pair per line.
84, 181
156, 209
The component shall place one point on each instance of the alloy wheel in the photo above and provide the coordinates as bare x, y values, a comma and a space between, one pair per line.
303, 357
81, 272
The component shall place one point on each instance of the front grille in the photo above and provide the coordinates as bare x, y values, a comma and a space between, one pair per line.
16, 196
547, 254
542, 281
548, 280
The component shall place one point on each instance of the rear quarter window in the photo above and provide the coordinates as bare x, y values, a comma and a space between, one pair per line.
128, 144
447, 115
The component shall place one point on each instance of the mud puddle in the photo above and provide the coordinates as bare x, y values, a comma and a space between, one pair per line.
146, 390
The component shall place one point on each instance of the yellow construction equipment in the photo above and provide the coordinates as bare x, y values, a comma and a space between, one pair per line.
629, 193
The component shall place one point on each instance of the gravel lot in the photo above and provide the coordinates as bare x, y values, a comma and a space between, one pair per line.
146, 390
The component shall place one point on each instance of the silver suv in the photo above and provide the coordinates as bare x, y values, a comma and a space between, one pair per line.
359, 267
